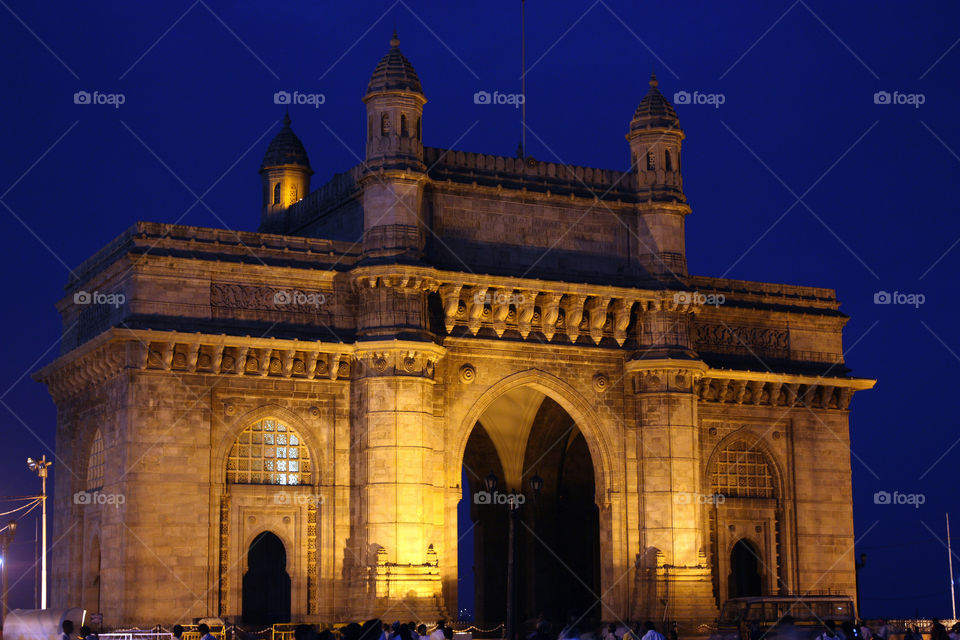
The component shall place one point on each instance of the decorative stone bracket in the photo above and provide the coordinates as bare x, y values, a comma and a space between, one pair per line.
476, 301
778, 390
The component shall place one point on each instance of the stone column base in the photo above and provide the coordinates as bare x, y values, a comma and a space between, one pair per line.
681, 594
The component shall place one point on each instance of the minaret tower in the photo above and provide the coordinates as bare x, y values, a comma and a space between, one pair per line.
285, 173
393, 184
666, 371
655, 136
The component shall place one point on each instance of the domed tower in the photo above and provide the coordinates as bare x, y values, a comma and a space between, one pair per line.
393, 184
285, 173
655, 137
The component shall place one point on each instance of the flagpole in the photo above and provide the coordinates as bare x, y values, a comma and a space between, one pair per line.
953, 597
523, 77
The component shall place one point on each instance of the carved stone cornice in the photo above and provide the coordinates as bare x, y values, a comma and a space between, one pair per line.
664, 374
197, 353
93, 365
398, 358
758, 388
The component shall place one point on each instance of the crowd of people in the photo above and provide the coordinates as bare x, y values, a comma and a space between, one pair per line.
544, 630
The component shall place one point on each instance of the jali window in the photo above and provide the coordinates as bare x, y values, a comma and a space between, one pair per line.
742, 472
268, 452
95, 463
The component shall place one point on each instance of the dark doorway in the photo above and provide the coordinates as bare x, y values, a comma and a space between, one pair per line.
744, 570
266, 584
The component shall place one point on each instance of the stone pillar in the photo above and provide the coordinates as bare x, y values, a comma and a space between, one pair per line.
673, 573
400, 457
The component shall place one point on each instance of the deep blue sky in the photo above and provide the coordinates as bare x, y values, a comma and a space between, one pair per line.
798, 81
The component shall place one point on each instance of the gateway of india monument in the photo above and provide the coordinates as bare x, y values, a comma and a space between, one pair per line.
283, 424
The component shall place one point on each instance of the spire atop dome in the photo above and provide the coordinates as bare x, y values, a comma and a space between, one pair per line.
394, 72
653, 79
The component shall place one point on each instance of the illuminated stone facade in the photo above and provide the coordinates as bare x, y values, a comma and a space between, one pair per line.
382, 316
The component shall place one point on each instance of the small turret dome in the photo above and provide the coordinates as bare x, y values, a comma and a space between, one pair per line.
394, 72
654, 111
285, 149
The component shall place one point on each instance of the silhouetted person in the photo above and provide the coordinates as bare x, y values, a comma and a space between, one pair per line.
651, 632
178, 631
67, 629
438, 632
204, 632
830, 632
86, 633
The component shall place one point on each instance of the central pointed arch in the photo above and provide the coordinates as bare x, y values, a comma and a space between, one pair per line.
589, 423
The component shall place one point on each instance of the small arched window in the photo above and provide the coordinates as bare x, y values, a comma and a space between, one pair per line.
385, 124
95, 463
268, 452
276, 193
651, 162
668, 161
403, 125
294, 195
742, 472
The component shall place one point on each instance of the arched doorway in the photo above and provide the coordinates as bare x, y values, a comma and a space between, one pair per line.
744, 570
525, 434
266, 584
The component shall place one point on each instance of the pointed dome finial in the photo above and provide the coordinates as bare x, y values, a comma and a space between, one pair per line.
653, 79
394, 41
286, 119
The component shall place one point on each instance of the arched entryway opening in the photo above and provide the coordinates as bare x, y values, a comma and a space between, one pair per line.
745, 577
266, 584
525, 434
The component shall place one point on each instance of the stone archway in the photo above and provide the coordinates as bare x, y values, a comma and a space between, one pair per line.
526, 426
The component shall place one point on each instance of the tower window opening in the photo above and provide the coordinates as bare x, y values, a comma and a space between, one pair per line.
403, 125
668, 161
276, 193
385, 124
651, 162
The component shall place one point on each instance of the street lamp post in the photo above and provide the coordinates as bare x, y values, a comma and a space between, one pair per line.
6, 539
513, 503
857, 565
40, 467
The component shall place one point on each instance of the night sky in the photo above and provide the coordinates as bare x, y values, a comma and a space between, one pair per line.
797, 177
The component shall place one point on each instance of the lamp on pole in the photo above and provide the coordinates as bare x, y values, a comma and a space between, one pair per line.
513, 502
6, 539
857, 565
41, 468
